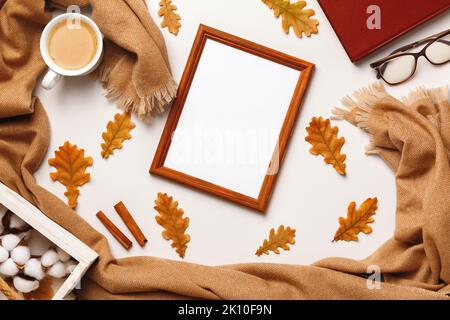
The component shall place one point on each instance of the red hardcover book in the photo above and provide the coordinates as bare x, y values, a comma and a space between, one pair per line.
350, 19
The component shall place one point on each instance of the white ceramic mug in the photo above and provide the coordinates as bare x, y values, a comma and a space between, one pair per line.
55, 72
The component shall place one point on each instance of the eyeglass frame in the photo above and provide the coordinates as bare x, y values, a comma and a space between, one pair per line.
400, 52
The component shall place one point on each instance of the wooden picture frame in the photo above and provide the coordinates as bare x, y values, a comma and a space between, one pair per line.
59, 236
204, 35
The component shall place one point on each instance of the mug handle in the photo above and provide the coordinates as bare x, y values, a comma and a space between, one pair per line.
50, 79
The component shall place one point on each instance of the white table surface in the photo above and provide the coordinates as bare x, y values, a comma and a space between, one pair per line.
309, 195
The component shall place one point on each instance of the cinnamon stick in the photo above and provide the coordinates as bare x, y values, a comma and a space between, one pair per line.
120, 237
130, 223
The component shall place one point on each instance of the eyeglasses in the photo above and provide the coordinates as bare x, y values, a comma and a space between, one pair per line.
399, 66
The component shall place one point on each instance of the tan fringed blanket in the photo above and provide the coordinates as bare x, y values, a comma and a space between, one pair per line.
412, 136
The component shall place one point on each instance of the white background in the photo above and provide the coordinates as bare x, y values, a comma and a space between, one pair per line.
309, 195
227, 133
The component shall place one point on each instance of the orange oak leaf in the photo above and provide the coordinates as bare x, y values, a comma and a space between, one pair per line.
71, 165
293, 15
280, 239
170, 17
117, 131
324, 140
171, 219
357, 220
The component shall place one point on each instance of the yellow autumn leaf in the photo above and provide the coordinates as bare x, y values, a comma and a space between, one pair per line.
170, 17
324, 140
71, 165
117, 131
171, 219
293, 15
357, 220
280, 239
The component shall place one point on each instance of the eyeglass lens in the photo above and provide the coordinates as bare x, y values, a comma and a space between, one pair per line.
439, 51
398, 69
402, 67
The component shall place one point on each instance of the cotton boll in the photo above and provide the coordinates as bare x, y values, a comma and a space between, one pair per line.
33, 268
49, 258
25, 286
9, 268
17, 223
4, 254
21, 255
10, 241
58, 270
63, 256
70, 266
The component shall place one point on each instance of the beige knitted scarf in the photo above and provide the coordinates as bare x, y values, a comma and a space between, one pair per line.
135, 69
412, 136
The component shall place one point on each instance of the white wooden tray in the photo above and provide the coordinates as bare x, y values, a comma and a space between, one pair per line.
54, 233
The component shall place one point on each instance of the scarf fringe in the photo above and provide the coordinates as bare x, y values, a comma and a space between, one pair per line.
363, 99
147, 106
436, 95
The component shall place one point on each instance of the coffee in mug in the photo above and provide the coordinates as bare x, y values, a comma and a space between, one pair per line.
70, 46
